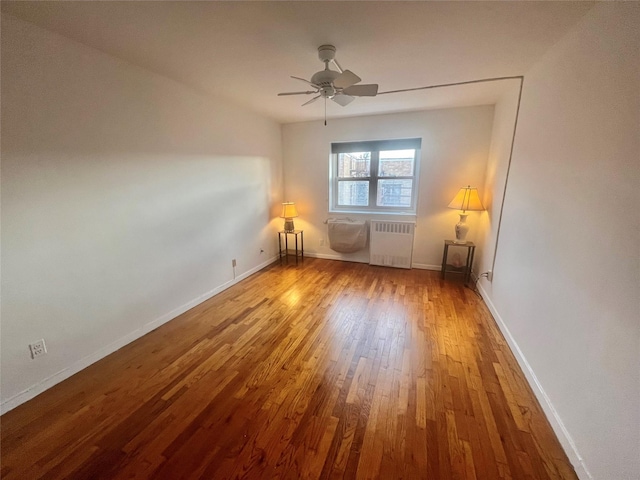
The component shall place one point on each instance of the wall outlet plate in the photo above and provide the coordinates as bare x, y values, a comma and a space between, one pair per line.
38, 348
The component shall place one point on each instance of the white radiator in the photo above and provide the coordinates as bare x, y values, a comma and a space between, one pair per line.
391, 243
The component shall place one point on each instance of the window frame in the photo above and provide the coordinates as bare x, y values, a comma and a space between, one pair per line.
374, 147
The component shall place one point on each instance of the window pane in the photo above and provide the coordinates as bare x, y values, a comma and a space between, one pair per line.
353, 165
353, 193
394, 193
396, 163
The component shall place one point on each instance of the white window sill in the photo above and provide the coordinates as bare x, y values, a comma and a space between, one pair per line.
374, 212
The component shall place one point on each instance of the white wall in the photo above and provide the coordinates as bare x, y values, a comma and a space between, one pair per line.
567, 278
124, 198
455, 146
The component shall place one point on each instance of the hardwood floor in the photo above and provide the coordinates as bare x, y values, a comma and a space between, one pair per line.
322, 370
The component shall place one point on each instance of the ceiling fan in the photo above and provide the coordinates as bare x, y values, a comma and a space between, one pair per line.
339, 86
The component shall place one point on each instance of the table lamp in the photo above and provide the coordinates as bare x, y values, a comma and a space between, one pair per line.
466, 199
289, 212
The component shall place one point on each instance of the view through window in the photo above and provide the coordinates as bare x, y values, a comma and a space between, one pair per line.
375, 176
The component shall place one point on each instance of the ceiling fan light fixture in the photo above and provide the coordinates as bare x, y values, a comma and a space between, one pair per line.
328, 91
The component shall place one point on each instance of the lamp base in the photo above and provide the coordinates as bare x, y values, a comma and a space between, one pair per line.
462, 229
288, 225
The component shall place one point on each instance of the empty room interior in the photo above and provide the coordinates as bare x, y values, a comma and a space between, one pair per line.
320, 240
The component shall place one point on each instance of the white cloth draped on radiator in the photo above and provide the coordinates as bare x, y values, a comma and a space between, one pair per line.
347, 236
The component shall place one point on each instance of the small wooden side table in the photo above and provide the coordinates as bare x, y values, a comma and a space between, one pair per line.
466, 269
296, 233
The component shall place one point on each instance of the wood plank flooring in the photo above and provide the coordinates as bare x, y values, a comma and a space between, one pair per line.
321, 370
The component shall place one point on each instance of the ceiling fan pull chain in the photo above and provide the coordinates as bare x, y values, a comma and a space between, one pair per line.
325, 111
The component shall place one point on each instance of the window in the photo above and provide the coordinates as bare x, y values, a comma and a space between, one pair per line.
376, 176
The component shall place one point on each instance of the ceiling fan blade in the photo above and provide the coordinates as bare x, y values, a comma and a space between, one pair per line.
312, 100
305, 81
309, 92
369, 90
346, 79
342, 99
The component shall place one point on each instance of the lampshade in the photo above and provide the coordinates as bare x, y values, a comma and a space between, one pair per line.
467, 199
289, 210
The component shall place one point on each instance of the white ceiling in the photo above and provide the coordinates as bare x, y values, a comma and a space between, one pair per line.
246, 51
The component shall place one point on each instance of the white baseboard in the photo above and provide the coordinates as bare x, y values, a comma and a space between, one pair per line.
38, 388
424, 266
552, 414
329, 256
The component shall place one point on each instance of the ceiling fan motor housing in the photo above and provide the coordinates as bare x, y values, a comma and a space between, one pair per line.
324, 79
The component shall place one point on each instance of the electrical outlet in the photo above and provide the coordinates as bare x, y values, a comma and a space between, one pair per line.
490, 275
233, 262
322, 242
38, 348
